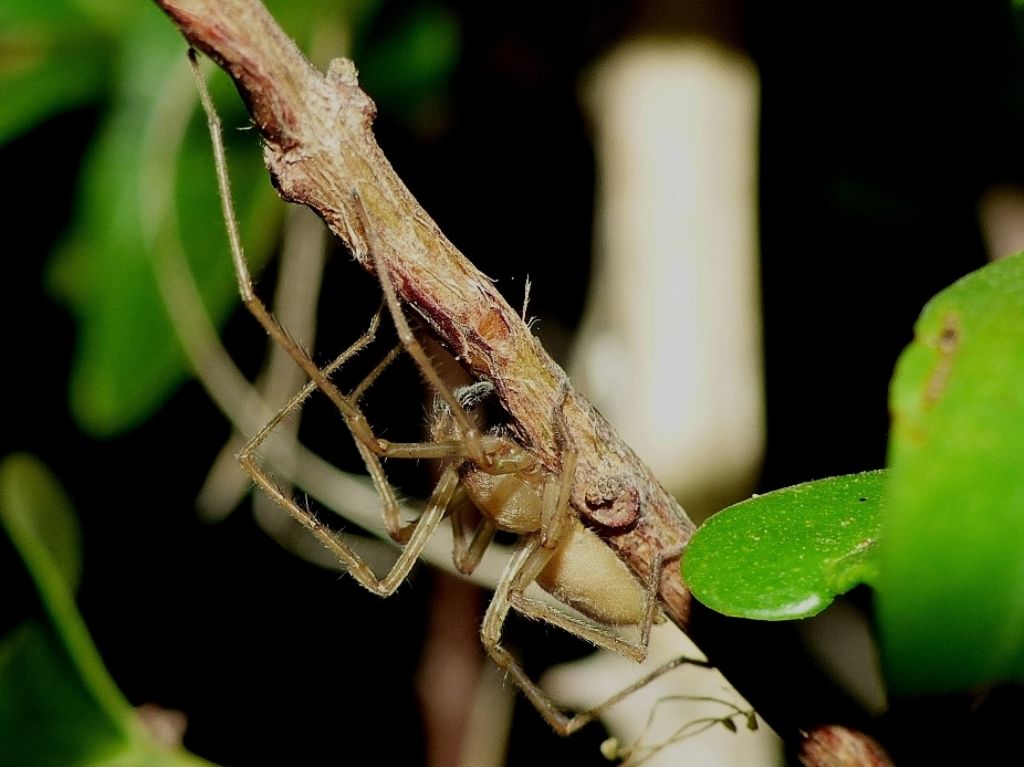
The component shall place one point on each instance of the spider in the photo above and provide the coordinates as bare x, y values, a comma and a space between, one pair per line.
489, 482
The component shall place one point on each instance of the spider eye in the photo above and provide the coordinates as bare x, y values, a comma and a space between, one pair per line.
470, 396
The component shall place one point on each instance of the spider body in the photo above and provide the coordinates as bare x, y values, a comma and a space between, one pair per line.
509, 494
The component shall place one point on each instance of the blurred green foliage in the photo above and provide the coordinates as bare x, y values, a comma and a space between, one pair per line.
147, 196
789, 553
146, 204
951, 585
58, 704
948, 514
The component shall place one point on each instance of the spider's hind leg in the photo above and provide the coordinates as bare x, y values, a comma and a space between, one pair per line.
507, 595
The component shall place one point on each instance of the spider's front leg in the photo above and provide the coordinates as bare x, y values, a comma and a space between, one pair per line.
372, 449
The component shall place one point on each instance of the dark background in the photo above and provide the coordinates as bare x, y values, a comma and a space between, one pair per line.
881, 125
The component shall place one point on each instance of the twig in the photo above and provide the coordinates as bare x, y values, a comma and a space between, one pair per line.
319, 148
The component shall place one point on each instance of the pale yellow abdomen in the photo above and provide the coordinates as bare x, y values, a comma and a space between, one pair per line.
585, 574
511, 501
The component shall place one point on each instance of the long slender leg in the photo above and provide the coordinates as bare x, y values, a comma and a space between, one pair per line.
470, 432
352, 414
494, 619
357, 567
556, 514
390, 510
557, 520
462, 516
368, 445
593, 632
556, 535
526, 565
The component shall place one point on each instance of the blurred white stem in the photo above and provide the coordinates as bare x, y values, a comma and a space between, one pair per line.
1001, 216
670, 349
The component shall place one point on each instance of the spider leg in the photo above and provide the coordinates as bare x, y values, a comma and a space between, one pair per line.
532, 563
497, 612
467, 554
419, 532
371, 448
470, 433
346, 405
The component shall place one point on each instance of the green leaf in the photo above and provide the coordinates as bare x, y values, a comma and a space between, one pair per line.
788, 553
147, 199
58, 704
951, 584
47, 715
44, 15
151, 160
39, 520
38, 517
54, 55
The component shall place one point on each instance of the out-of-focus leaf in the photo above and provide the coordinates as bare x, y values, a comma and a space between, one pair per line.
58, 705
52, 57
40, 521
412, 64
128, 359
42, 87
47, 715
151, 160
50, 712
951, 582
47, 16
789, 553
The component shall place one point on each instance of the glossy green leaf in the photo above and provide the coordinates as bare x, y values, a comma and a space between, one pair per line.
951, 584
788, 553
